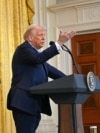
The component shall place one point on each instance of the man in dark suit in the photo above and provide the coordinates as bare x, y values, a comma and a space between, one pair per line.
29, 68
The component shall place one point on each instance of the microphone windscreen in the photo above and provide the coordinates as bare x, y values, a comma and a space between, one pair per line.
51, 43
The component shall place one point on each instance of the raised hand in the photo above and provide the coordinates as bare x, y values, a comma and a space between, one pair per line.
65, 36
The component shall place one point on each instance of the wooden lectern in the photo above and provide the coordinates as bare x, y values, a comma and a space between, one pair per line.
73, 91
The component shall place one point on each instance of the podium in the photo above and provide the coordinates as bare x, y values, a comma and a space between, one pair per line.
71, 90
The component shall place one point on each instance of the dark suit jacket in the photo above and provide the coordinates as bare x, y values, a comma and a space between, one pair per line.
29, 68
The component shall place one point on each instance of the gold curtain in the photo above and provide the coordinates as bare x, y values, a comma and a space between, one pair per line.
15, 16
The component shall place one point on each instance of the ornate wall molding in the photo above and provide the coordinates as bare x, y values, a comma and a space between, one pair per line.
79, 15
72, 3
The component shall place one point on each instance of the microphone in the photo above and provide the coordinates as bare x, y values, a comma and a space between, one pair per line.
51, 43
65, 48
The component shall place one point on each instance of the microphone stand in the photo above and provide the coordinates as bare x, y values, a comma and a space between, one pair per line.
65, 48
75, 128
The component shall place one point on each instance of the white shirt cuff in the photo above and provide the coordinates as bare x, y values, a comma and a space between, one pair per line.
58, 47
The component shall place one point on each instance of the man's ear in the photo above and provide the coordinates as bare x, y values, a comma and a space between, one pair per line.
30, 38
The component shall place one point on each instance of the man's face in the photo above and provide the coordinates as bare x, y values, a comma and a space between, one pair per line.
38, 38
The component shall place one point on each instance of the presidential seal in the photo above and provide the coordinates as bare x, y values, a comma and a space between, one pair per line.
91, 81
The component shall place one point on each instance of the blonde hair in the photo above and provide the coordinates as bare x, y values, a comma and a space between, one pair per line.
31, 29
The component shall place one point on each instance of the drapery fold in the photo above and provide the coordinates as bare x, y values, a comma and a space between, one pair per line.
15, 16
30, 11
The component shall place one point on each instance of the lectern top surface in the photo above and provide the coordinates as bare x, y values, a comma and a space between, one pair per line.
73, 83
